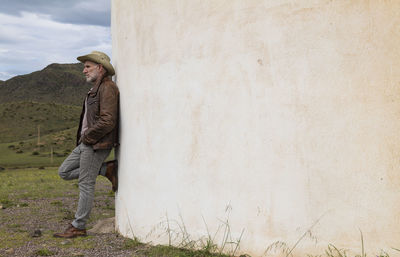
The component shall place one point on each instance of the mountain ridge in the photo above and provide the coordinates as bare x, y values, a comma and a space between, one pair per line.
56, 83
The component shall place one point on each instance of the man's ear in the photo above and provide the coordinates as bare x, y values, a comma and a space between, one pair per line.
102, 69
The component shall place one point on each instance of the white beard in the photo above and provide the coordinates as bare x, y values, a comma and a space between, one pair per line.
91, 79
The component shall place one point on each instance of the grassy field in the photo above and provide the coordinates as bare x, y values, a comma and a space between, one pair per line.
50, 152
21, 120
28, 153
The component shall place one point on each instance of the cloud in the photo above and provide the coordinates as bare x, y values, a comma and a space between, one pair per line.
30, 41
88, 12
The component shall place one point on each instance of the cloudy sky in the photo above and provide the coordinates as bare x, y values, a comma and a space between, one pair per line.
36, 33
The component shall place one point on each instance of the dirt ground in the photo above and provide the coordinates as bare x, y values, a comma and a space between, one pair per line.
21, 217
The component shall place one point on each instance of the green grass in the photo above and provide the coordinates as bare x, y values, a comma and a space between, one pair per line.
31, 184
13, 239
162, 250
131, 243
44, 252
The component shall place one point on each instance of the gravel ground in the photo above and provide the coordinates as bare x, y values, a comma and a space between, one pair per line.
20, 221
103, 245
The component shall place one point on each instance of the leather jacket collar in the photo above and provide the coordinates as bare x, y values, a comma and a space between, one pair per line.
93, 91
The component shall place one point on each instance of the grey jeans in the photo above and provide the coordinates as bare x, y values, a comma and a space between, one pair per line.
84, 164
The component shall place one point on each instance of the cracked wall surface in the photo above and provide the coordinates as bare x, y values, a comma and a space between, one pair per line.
275, 119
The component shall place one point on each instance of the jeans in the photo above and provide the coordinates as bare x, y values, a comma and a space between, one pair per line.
84, 164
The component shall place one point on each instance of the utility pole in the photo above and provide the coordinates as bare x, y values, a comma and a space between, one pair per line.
51, 154
38, 140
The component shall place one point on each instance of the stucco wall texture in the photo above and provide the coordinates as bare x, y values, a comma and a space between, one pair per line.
266, 122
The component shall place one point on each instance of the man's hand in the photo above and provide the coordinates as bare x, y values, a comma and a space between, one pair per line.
86, 140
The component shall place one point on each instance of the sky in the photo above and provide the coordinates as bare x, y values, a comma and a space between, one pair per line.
36, 33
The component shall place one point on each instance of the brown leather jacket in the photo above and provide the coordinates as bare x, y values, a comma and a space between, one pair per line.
102, 116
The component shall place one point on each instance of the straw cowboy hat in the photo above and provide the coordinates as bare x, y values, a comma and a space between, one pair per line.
100, 58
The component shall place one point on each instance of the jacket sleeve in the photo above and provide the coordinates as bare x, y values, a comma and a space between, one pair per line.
108, 105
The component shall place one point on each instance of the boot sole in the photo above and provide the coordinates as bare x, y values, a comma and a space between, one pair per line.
72, 236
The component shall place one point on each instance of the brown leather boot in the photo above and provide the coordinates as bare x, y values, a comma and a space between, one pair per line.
112, 173
71, 232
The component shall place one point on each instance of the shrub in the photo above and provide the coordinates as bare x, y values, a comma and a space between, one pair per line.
6, 203
44, 252
131, 243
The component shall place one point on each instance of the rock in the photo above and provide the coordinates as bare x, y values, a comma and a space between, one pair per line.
10, 251
104, 226
37, 233
66, 242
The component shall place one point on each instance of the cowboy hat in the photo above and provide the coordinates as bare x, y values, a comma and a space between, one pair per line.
100, 58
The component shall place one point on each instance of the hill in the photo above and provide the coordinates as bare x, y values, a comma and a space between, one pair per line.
20, 120
57, 83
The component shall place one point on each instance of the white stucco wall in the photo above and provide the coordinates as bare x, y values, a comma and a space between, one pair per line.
275, 117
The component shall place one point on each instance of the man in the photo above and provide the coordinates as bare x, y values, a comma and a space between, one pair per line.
97, 135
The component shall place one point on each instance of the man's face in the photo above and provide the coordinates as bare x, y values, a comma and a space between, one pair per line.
91, 71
